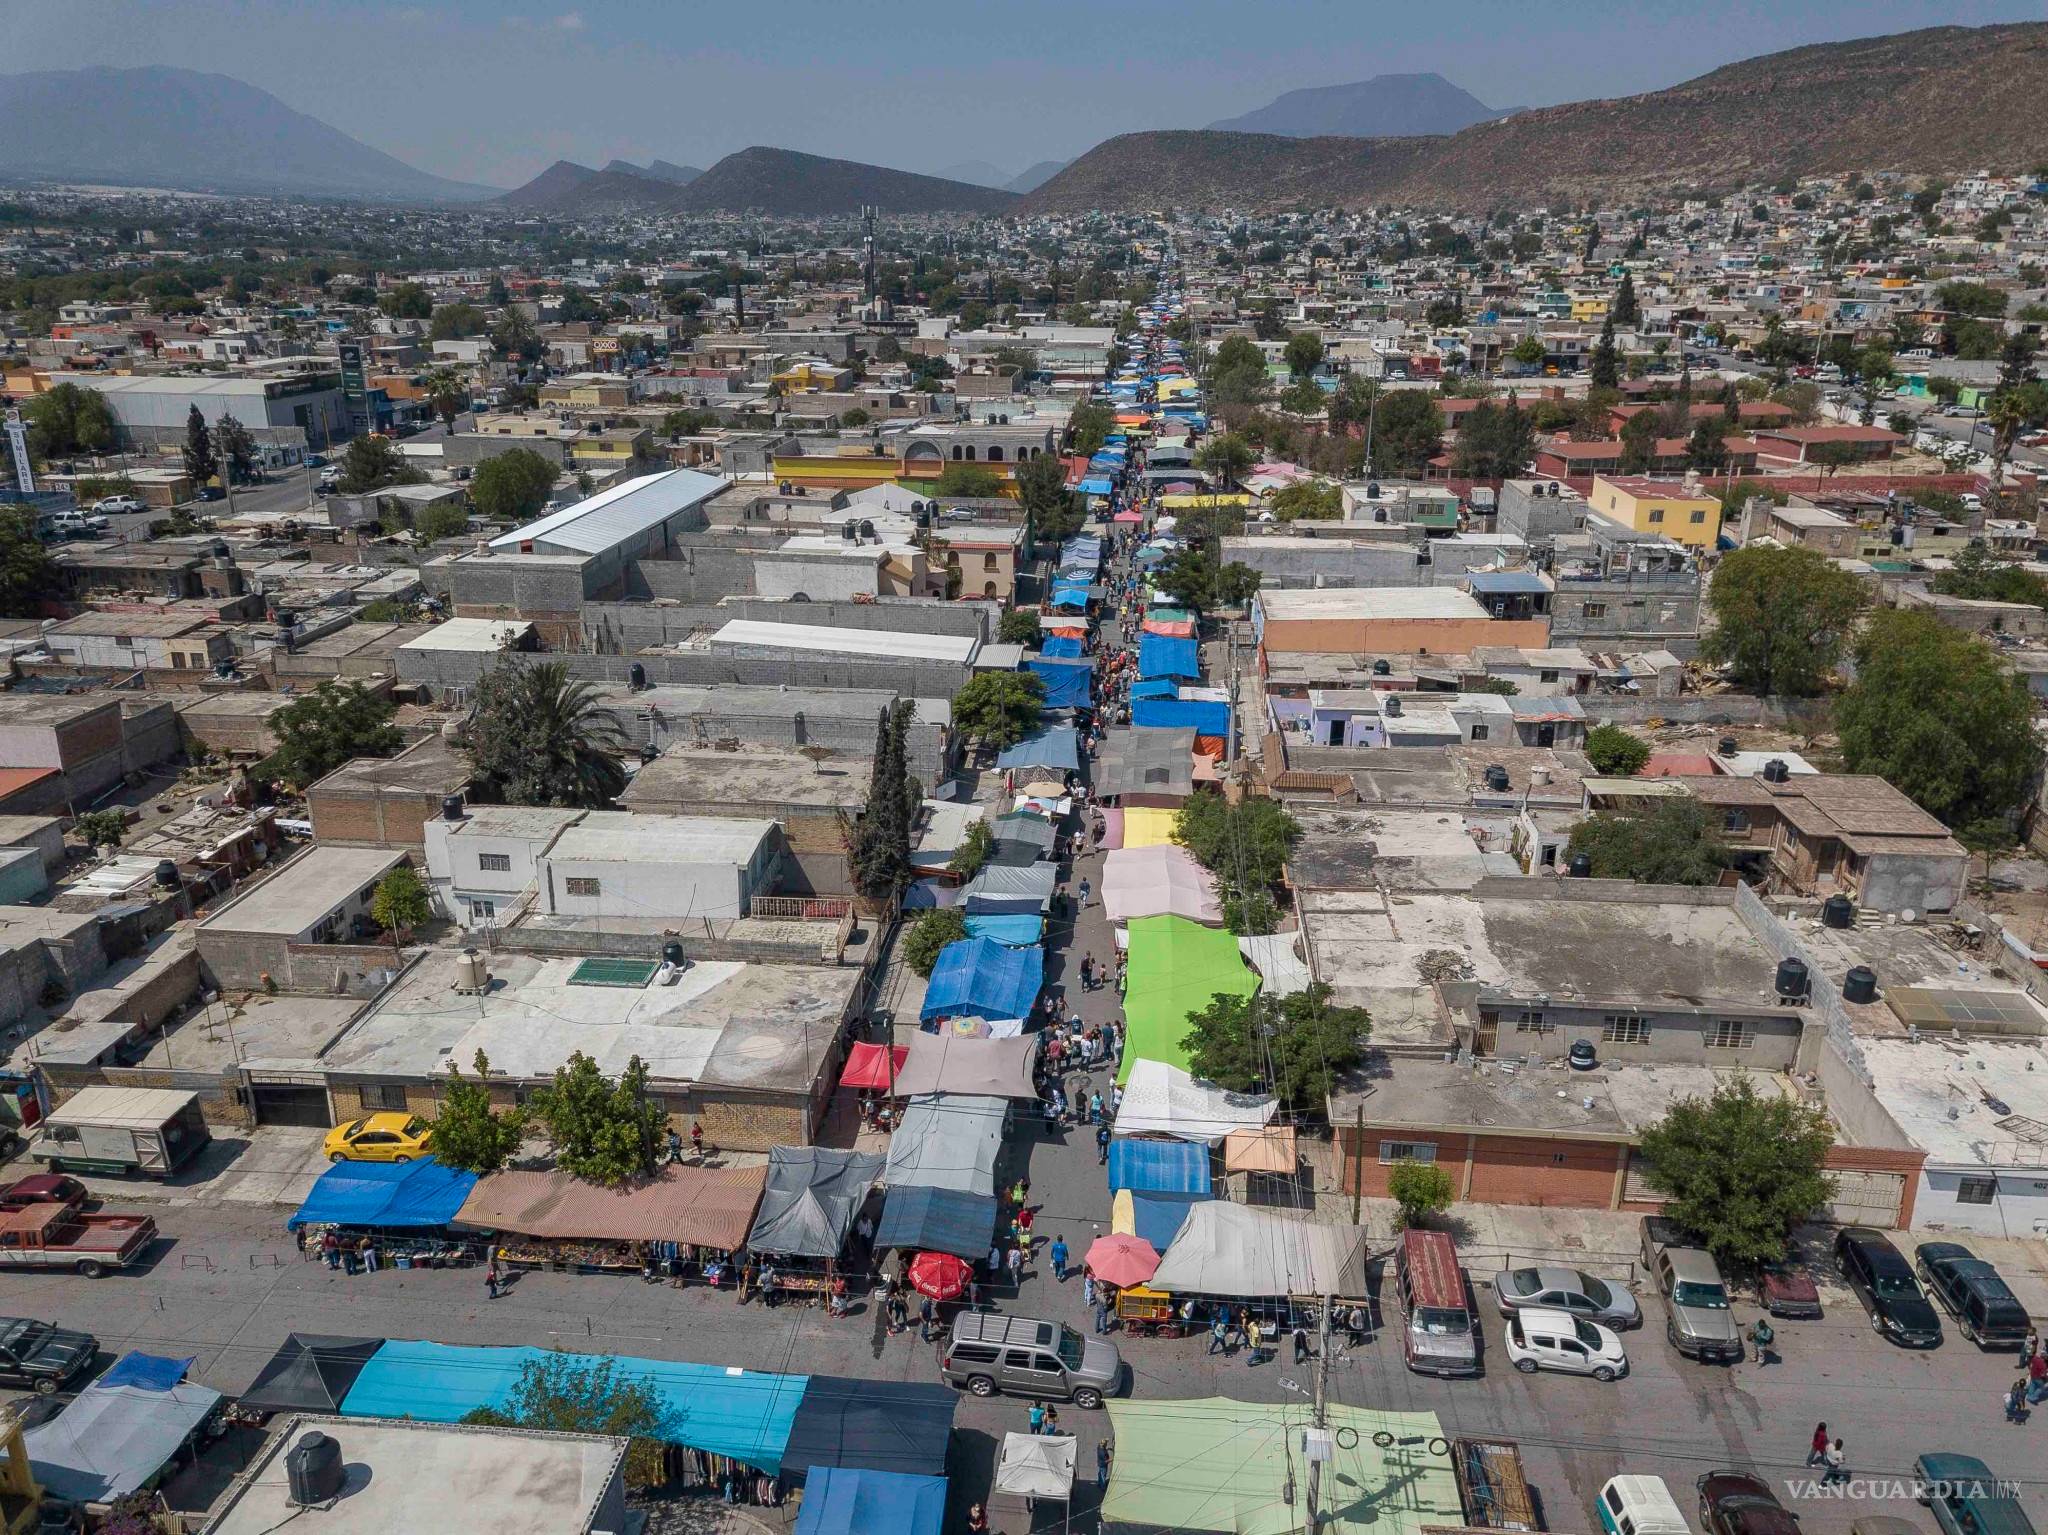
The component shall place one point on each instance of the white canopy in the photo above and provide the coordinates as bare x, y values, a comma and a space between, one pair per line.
1235, 1250
1158, 881
1037, 1465
947, 1141
1164, 1100
997, 1067
1281, 970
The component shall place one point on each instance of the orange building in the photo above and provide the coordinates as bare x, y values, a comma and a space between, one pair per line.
1386, 620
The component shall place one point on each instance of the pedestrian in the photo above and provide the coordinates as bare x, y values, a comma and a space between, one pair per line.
1255, 1337
2016, 1402
1837, 1460
977, 1521
2029, 1347
1095, 1108
1116, 1101
746, 1280
1058, 1254
1101, 1310
1052, 1420
926, 1315
1102, 1145
1102, 1455
1037, 1417
1085, 888
696, 1139
995, 1262
675, 1145
2037, 1378
1219, 1338
1087, 1288
1025, 1217
1087, 972
1015, 1262
1819, 1448
974, 1295
836, 1306
1301, 1348
491, 1280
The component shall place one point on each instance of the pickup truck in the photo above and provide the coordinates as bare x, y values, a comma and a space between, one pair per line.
42, 1358
58, 1236
1702, 1323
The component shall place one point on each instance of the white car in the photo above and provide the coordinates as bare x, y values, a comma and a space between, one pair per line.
1541, 1339
116, 505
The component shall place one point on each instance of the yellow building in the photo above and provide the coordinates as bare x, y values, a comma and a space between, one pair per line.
588, 394
1589, 308
813, 378
1679, 511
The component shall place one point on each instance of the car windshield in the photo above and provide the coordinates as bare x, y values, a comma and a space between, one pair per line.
353, 1129
1070, 1348
22, 1337
1896, 1285
1588, 1334
415, 1126
1595, 1291
1526, 1281
1709, 1297
1441, 1321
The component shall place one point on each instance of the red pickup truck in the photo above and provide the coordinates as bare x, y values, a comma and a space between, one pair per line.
58, 1236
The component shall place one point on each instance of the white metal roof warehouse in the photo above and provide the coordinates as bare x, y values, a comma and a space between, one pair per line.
624, 514
747, 635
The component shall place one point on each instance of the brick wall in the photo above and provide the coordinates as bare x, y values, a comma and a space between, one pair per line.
363, 818
1496, 1169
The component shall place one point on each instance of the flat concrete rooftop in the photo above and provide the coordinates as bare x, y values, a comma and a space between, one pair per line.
1938, 1092
305, 890
758, 776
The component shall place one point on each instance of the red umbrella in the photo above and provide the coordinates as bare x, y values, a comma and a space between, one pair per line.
942, 1276
1121, 1260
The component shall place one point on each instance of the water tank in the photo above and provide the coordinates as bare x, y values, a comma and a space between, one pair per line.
1775, 771
1729, 746
1898, 537
1383, 668
451, 807
1581, 866
167, 874
1391, 705
1792, 981
1582, 1056
867, 531
1838, 911
636, 677
672, 954
1860, 985
1497, 778
849, 531
312, 1469
472, 973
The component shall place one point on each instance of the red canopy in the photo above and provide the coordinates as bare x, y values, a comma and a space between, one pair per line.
867, 1066
1121, 1260
941, 1276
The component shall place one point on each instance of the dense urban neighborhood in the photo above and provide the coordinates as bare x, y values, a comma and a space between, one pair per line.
799, 847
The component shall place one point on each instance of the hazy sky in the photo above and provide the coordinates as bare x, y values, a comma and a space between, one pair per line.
493, 90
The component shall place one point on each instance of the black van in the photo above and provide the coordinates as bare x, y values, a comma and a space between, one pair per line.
1985, 1309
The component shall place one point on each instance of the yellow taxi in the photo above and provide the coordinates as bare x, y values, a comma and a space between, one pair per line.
380, 1138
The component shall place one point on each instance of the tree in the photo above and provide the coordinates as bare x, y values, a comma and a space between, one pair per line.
1638, 442
401, 903
101, 828
1529, 352
1935, 713
372, 463
457, 322
1420, 1189
1975, 574
1055, 511
1494, 441
1626, 310
930, 933
1407, 432
200, 464
1706, 449
1304, 353
974, 850
1237, 373
999, 708
468, 1134
1781, 618
406, 301
1019, 626
1741, 1168
878, 844
854, 418
2010, 411
514, 336
1308, 1041
967, 481
534, 737
1605, 367
66, 419
338, 721
1832, 456
28, 576
1307, 501
562, 1394
1615, 753
1244, 844
446, 393
1088, 426
602, 1131
434, 523
512, 486
237, 450
1672, 843
1228, 457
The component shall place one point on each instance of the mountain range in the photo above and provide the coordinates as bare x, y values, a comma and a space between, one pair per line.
773, 181
980, 173
1386, 106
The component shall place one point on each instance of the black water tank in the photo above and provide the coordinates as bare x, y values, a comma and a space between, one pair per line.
451, 807
1838, 911
167, 874
1391, 705
313, 1470
1775, 771
1860, 985
672, 953
1383, 667
1582, 866
1729, 747
1497, 778
1582, 1056
1792, 981
636, 676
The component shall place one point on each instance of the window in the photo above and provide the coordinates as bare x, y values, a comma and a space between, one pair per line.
1479, 732
482, 911
1976, 1191
1728, 1034
988, 562
1699, 516
494, 863
1407, 1151
1658, 515
384, 1095
1735, 820
1594, 610
1546, 676
583, 886
1624, 1029
1530, 1021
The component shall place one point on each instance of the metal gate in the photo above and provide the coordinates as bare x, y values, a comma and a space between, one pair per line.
1867, 1199
277, 1103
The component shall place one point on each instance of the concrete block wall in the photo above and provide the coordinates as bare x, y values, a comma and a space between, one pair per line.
444, 670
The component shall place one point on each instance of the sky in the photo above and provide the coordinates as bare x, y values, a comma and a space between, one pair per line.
494, 91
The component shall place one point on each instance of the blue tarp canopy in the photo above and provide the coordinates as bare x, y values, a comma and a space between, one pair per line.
1012, 930
1202, 716
1059, 647
955, 1221
742, 1413
1068, 684
1158, 1217
146, 1372
843, 1502
981, 978
1159, 687
1159, 1167
1096, 485
929, 894
389, 1194
1162, 655
1070, 594
872, 1425
1055, 746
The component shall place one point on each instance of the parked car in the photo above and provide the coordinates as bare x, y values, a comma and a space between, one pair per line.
1542, 1339
1883, 1281
392, 1137
1985, 1309
210, 493
1788, 1293
54, 1236
42, 1358
43, 1189
1561, 1289
1440, 1335
1966, 1499
1736, 1503
1701, 1325
988, 1352
115, 506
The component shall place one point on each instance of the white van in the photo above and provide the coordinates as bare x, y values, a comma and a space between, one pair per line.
1639, 1505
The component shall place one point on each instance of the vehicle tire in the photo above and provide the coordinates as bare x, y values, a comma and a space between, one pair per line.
981, 1385
46, 1387
401, 1159
1526, 1366
337, 1157
91, 1268
1088, 1397
1604, 1373
1877, 1324
1671, 1334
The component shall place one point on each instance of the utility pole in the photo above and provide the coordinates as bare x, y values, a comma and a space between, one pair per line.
1357, 1161
1315, 1452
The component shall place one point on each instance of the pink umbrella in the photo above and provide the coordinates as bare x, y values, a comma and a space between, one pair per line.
1121, 1260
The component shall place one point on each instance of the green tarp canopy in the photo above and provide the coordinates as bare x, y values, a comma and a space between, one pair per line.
1219, 1465
1176, 967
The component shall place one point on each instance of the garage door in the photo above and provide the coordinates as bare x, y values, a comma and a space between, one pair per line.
1867, 1199
277, 1104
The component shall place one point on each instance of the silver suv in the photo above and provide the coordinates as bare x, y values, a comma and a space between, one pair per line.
987, 1352
1701, 1324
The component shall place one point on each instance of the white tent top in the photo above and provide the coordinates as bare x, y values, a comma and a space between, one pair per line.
947, 1141
1281, 970
1235, 1250
1158, 881
951, 1063
1037, 1465
1164, 1100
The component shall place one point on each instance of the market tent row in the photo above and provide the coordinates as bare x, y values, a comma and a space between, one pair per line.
1162, 655
1158, 881
1220, 1467
1164, 1100
1207, 717
871, 1067
980, 978
1023, 838
1155, 1217
1148, 826
1060, 647
1013, 930
999, 889
877, 1425
990, 1068
812, 1197
947, 1141
937, 1220
310, 1372
394, 1195
693, 1206
871, 1503
1051, 746
1129, 762
1244, 1252
120, 1431
1176, 968
1069, 684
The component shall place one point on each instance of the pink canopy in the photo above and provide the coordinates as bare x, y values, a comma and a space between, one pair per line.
1112, 826
1121, 1260
1158, 881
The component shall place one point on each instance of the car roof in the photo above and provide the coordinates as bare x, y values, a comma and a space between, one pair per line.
1693, 1263
387, 1119
1547, 1316
1946, 1252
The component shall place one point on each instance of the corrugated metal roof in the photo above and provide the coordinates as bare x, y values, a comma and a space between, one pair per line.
612, 516
710, 1206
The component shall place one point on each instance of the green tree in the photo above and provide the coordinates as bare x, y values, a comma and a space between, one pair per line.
1638, 442
1615, 753
469, 1135
1194, 578
1672, 843
512, 486
976, 847
1407, 432
1307, 501
930, 933
434, 523
1976, 574
1228, 457
1055, 512
1626, 310
581, 1395
1605, 367
1494, 441
1781, 618
338, 721
1237, 373
446, 393
967, 481
1311, 1044
373, 463
406, 301
1935, 713
1420, 1190
1019, 626
1706, 449
533, 737
388, 610
602, 1131
1529, 352
28, 576
101, 828
1088, 427
66, 419
878, 844
854, 418
1832, 456
1245, 845
1304, 353
999, 708
401, 903
687, 423
457, 322
236, 447
1741, 1168
200, 464
514, 336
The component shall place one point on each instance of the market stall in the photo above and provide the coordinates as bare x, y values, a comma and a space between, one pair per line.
937, 1220
122, 1433
310, 1372
991, 1068
684, 1221
1164, 1100
1034, 1469
811, 1199
980, 978
1236, 1252
876, 1425
372, 1215
844, 1502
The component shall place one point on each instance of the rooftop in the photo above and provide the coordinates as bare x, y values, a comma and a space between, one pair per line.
612, 516
1371, 602
482, 634
303, 891
617, 836
1968, 1103
892, 643
429, 766
705, 776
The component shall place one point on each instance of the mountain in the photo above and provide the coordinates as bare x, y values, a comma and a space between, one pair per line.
655, 170
784, 182
1036, 176
568, 190
179, 128
1942, 101
976, 173
1386, 106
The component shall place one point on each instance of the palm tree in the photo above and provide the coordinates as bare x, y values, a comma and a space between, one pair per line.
538, 738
